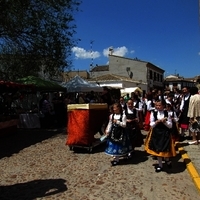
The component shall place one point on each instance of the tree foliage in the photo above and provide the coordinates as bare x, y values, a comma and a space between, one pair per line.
35, 36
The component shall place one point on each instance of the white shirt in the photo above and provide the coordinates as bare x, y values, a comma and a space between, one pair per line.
117, 117
160, 115
170, 113
140, 104
183, 100
149, 105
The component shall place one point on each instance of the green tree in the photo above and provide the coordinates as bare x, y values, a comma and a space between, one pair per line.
35, 36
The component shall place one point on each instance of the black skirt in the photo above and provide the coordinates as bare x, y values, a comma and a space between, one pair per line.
160, 139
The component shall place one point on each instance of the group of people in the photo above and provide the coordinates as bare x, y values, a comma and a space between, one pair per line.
166, 117
123, 131
178, 103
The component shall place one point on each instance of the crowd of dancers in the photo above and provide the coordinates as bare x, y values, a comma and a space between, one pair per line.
166, 117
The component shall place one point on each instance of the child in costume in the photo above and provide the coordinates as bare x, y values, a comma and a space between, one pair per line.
132, 126
117, 145
159, 142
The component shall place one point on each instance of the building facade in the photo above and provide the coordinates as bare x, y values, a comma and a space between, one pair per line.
145, 73
175, 81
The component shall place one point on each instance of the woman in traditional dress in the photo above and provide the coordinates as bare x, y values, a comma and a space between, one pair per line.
117, 146
149, 108
132, 126
159, 141
174, 118
139, 107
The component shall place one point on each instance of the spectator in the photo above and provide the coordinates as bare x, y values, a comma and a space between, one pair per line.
106, 96
81, 98
194, 115
48, 112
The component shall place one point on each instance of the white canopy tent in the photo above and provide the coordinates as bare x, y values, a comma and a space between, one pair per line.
130, 90
77, 84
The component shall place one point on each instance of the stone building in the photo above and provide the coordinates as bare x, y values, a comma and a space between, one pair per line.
147, 74
176, 81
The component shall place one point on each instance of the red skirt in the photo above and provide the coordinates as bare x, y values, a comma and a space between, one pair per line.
147, 121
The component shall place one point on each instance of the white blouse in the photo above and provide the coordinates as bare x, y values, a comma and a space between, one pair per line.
160, 115
170, 113
149, 107
140, 104
117, 117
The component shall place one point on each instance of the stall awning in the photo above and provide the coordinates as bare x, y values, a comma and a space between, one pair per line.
124, 91
77, 84
42, 84
9, 86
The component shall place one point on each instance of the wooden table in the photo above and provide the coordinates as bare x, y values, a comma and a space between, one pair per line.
9, 126
29, 120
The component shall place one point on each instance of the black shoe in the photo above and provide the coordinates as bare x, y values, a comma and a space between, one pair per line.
169, 164
189, 137
182, 138
114, 162
129, 156
158, 169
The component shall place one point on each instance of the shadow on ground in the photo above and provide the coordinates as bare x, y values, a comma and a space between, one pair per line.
23, 138
33, 189
96, 148
137, 157
178, 165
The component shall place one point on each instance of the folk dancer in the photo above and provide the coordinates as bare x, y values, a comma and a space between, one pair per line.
159, 141
149, 107
183, 118
174, 118
132, 126
117, 147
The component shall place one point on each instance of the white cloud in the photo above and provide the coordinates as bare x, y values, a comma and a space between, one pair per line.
119, 51
199, 53
132, 51
81, 53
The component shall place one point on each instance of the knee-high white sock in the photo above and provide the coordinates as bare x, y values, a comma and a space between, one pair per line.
160, 161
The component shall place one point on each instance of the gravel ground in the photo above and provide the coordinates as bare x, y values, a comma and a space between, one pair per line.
38, 165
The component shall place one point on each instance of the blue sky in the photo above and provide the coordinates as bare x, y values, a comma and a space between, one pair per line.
165, 33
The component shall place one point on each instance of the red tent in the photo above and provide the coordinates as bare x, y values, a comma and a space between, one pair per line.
9, 86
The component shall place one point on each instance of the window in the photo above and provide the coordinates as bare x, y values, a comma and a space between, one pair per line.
154, 76
150, 72
161, 78
158, 77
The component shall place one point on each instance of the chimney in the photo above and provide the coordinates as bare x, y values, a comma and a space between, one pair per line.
110, 51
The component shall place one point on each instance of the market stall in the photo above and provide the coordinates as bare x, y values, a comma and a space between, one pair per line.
84, 121
29, 119
77, 84
8, 126
129, 90
41, 84
10, 93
